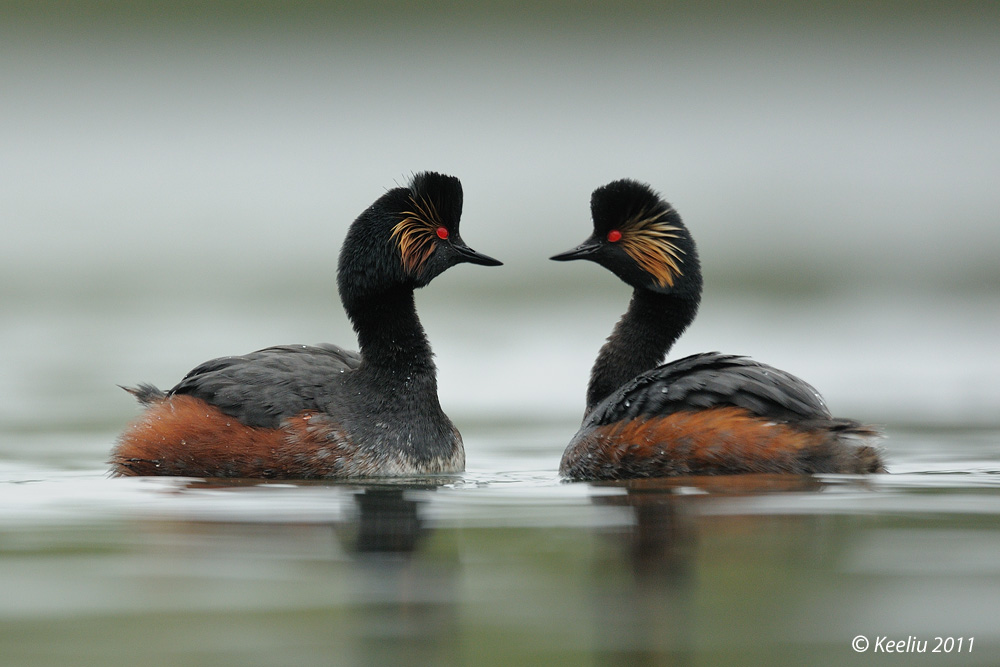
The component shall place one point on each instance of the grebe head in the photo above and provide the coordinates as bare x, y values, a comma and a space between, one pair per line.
406, 238
641, 239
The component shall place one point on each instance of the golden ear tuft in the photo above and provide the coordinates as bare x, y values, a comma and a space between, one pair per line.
416, 233
646, 238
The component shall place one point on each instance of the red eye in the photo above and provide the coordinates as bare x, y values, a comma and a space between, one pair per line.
614, 236
442, 233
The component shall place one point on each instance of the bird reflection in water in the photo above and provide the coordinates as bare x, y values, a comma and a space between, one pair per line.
388, 521
403, 600
646, 573
391, 580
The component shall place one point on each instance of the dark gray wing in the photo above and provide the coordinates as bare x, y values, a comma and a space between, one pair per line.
264, 387
713, 380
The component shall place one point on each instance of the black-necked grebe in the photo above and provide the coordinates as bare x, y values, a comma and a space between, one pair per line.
300, 412
707, 414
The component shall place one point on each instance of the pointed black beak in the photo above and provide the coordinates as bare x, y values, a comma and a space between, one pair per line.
469, 255
582, 251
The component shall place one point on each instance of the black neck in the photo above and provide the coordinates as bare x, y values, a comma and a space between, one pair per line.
640, 341
392, 340
396, 383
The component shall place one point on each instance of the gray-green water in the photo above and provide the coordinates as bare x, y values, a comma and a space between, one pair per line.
504, 565
175, 184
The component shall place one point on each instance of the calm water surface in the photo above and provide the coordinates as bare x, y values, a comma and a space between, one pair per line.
504, 564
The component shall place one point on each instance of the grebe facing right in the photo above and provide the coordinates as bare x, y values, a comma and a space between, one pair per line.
300, 412
707, 414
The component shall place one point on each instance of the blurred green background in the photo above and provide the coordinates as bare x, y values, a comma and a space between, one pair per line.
811, 146
175, 182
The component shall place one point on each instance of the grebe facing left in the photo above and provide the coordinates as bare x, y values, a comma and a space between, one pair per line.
300, 412
707, 414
